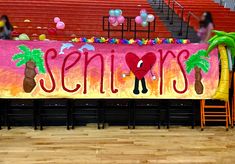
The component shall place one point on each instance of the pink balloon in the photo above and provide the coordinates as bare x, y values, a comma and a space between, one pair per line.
138, 20
115, 24
60, 25
56, 19
143, 11
112, 19
121, 19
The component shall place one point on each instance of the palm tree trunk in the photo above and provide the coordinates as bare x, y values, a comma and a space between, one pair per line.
198, 83
222, 91
29, 82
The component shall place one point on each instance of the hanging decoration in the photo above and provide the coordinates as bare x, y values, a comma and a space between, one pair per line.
139, 42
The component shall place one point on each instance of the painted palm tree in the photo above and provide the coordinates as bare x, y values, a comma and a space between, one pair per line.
223, 40
31, 59
198, 62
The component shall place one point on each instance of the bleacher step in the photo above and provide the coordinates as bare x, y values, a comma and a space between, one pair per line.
175, 27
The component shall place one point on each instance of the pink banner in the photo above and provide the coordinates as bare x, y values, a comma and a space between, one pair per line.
83, 70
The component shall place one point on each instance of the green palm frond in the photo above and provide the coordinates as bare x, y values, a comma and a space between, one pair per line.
221, 33
24, 49
36, 55
221, 37
21, 62
198, 59
18, 56
204, 65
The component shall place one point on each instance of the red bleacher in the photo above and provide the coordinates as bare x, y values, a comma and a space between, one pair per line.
223, 18
83, 18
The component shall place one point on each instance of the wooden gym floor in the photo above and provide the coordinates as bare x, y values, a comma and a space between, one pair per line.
55, 145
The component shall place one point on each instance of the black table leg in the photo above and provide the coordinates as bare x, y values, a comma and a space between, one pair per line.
73, 117
7, 102
134, 113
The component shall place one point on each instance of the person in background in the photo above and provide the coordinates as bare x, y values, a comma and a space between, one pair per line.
206, 27
6, 29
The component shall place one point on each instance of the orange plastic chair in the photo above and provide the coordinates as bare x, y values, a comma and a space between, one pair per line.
215, 116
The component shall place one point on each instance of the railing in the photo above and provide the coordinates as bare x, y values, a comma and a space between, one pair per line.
128, 24
221, 2
109, 26
168, 10
160, 4
172, 14
188, 21
131, 19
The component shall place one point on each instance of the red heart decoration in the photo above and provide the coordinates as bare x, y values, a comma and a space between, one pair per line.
134, 63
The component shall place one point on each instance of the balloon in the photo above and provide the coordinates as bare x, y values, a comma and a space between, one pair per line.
120, 11
51, 31
144, 16
56, 19
15, 33
150, 18
23, 37
42, 37
144, 24
117, 13
27, 20
138, 20
143, 11
2, 24
112, 19
115, 24
121, 19
16, 38
60, 25
111, 13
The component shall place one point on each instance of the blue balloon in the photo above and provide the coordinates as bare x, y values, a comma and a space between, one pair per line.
120, 11
144, 16
117, 13
111, 13
144, 24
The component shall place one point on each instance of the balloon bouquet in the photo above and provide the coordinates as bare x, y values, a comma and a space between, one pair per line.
52, 31
115, 17
144, 18
59, 24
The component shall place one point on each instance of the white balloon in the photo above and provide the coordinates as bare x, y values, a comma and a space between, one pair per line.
150, 18
115, 24
24, 37
16, 38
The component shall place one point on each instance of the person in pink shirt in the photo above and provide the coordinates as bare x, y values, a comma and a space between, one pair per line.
206, 27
